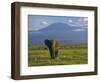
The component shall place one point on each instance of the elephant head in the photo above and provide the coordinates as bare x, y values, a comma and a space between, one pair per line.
53, 47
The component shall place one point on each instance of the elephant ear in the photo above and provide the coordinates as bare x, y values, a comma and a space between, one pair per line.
48, 43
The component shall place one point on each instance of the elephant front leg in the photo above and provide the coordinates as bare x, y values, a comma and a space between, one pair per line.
51, 54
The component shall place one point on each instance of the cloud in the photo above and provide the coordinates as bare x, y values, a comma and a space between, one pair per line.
80, 22
35, 29
45, 23
84, 20
70, 21
79, 30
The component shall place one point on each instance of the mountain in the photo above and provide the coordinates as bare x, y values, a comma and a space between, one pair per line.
62, 32
58, 27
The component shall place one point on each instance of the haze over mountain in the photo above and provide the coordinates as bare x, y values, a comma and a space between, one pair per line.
62, 32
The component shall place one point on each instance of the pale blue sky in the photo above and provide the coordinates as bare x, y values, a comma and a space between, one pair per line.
37, 22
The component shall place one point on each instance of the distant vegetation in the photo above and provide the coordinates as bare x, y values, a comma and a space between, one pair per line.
38, 55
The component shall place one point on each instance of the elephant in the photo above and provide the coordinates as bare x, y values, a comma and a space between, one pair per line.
53, 47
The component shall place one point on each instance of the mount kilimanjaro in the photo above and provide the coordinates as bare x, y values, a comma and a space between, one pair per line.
62, 32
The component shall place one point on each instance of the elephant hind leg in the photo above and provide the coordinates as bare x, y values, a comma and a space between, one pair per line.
56, 53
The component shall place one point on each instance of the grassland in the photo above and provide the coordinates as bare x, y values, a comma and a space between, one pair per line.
68, 55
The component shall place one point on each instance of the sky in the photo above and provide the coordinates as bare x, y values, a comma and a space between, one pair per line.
37, 22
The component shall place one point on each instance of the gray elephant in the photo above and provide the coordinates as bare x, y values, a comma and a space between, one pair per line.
53, 47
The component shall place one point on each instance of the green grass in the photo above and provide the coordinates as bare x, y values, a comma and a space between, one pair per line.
68, 55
